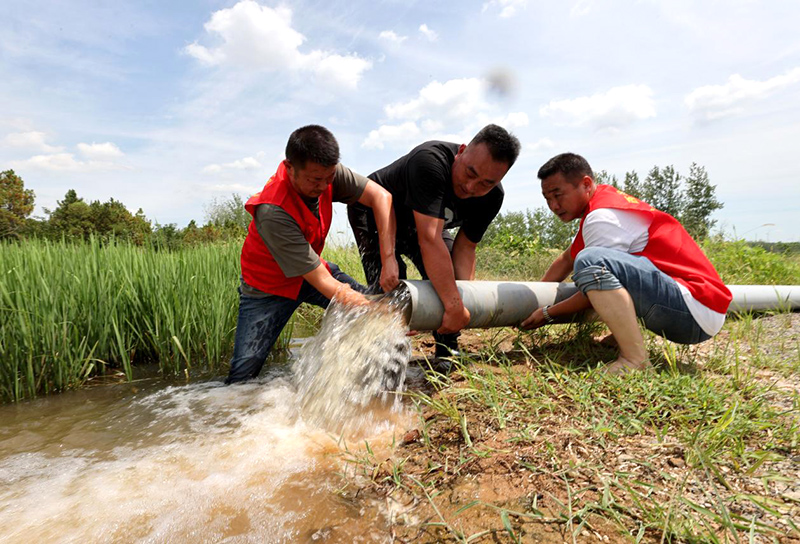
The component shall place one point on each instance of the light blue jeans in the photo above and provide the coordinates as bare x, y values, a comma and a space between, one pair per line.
657, 298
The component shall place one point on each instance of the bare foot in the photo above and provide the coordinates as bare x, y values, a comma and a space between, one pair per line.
623, 366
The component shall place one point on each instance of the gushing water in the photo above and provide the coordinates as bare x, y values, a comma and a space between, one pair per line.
204, 462
354, 369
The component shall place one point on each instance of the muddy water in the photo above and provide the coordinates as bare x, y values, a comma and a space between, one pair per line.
198, 462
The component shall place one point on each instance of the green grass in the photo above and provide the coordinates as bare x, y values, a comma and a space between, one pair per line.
567, 424
71, 311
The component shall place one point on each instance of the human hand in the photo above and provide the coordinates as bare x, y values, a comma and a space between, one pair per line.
390, 275
349, 297
454, 320
534, 321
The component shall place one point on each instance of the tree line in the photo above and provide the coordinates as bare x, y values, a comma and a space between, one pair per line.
75, 219
690, 199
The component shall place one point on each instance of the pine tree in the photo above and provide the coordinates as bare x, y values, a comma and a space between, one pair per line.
632, 185
701, 202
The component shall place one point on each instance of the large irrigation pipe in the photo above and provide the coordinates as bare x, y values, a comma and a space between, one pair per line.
508, 303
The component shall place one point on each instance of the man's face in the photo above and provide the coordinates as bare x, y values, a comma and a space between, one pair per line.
311, 180
475, 173
566, 200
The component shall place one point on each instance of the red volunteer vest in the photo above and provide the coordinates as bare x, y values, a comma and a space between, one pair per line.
259, 268
669, 248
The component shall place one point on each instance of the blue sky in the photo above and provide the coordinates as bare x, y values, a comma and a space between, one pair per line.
169, 105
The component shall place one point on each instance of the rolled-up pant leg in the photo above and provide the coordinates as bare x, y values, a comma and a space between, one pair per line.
656, 297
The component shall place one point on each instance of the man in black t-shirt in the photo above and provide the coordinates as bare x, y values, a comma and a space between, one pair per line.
436, 187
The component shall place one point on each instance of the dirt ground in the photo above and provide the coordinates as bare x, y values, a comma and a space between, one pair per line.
580, 490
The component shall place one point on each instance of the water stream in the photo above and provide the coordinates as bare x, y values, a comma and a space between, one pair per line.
201, 462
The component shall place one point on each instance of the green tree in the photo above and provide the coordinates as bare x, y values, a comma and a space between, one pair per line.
632, 185
225, 212
550, 230
75, 219
509, 230
700, 203
662, 190
16, 203
606, 179
71, 219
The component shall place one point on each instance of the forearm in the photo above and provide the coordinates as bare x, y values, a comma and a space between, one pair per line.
574, 304
560, 269
464, 263
387, 226
321, 280
440, 271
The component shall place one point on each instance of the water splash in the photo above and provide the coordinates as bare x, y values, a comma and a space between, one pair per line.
354, 369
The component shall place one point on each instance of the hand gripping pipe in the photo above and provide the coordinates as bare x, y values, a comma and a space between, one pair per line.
508, 303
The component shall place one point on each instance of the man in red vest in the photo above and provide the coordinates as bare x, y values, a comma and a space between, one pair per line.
281, 263
628, 260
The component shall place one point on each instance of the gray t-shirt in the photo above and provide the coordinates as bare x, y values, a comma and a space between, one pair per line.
283, 236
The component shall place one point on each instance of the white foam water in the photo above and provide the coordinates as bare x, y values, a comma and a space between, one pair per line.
252, 462
354, 370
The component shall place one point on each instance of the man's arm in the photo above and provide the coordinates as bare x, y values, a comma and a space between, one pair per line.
464, 257
558, 271
329, 286
380, 200
295, 256
439, 267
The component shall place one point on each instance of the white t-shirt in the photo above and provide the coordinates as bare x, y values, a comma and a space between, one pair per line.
626, 230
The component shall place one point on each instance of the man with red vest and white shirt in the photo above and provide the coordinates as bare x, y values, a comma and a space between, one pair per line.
628, 260
281, 263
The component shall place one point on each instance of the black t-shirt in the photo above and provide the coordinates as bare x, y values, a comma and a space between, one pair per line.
422, 181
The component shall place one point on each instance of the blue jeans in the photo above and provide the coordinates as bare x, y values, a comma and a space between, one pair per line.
261, 321
657, 298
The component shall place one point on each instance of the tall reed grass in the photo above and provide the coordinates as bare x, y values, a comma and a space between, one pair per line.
71, 310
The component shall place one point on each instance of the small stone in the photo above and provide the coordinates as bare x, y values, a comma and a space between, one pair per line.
676, 462
411, 436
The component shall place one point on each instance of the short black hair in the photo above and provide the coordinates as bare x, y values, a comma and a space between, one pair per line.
503, 146
571, 165
312, 143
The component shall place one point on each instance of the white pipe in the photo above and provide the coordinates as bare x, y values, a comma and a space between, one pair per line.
508, 303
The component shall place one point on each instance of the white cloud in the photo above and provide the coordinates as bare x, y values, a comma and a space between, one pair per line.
543, 144
247, 163
508, 8
30, 140
581, 8
613, 109
254, 37
715, 101
64, 162
102, 152
391, 36
454, 110
398, 135
454, 98
428, 33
